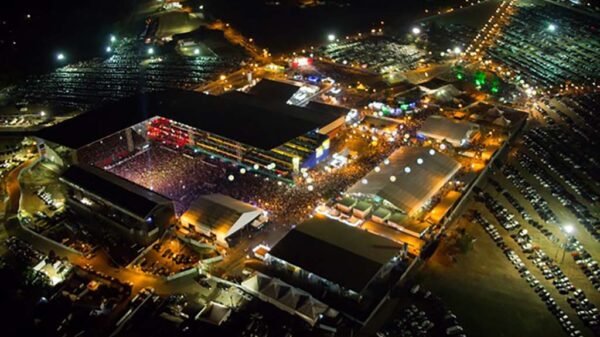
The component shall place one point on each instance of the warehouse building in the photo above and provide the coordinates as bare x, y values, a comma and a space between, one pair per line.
138, 213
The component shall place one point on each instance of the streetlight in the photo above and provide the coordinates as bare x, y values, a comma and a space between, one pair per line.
416, 30
108, 49
150, 51
331, 37
551, 27
197, 51
113, 39
60, 57
568, 229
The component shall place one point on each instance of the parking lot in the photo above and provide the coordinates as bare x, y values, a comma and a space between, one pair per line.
547, 45
169, 256
86, 83
380, 54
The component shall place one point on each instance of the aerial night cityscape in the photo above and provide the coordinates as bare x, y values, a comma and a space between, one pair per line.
282, 168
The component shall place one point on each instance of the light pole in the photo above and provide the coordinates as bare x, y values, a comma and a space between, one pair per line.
568, 229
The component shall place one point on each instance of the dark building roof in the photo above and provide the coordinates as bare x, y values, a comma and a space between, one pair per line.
114, 189
273, 90
328, 109
434, 83
342, 254
287, 113
237, 116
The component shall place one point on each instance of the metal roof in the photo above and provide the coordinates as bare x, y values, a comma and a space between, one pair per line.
408, 191
342, 254
222, 214
238, 116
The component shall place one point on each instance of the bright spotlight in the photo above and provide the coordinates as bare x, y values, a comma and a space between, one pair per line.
569, 229
331, 37
113, 39
150, 51
108, 49
551, 27
457, 50
60, 56
196, 51
416, 30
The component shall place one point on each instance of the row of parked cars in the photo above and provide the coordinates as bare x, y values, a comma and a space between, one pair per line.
524, 272
84, 84
426, 316
522, 212
581, 256
537, 51
539, 204
549, 269
539, 144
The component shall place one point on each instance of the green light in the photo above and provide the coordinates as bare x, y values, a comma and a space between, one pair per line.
495, 90
480, 77
404, 107
460, 76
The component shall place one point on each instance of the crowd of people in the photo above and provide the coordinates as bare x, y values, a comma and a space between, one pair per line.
169, 173
183, 177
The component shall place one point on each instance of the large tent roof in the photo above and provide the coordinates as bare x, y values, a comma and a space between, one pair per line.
223, 214
409, 191
342, 254
284, 295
